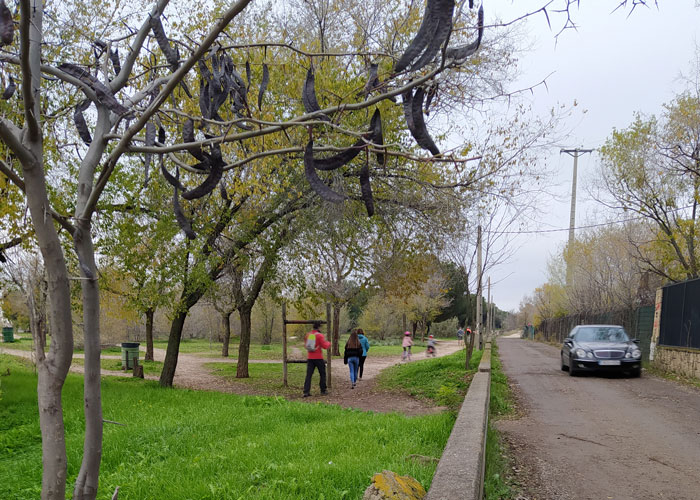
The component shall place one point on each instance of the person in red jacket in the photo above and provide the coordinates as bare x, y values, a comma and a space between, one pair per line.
315, 360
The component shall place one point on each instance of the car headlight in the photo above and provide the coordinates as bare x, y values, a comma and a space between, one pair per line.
580, 353
636, 353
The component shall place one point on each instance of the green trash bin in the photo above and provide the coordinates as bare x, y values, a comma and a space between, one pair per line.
8, 334
130, 352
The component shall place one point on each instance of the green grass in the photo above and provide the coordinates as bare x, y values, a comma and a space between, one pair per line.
267, 377
652, 369
149, 367
441, 380
497, 485
180, 444
23, 344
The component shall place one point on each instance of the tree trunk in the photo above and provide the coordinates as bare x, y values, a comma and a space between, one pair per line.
226, 320
335, 330
89, 475
244, 345
149, 334
267, 332
170, 362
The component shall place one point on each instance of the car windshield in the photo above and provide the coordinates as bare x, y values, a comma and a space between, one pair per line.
601, 334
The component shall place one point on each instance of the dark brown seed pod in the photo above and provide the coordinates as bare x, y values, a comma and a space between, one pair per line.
104, 94
171, 54
314, 181
422, 38
7, 26
338, 160
375, 127
181, 219
80, 123
161, 135
188, 136
461, 53
445, 11
204, 70
114, 57
420, 131
432, 91
204, 99
308, 95
263, 84
372, 80
223, 192
206, 187
173, 181
407, 100
366, 188
9, 90
247, 73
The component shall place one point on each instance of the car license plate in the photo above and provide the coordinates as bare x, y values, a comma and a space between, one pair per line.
609, 362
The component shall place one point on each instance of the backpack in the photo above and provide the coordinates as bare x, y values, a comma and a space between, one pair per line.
311, 342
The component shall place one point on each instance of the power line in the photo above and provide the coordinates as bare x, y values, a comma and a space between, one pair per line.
590, 226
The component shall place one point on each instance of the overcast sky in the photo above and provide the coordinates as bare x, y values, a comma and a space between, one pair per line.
613, 65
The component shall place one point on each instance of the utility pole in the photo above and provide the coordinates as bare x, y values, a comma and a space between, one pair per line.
478, 288
488, 308
572, 216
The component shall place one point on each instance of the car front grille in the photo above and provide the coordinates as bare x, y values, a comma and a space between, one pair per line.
609, 354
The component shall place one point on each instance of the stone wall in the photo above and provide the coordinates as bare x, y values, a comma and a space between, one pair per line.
679, 360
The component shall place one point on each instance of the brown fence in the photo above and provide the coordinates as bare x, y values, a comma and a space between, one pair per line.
638, 323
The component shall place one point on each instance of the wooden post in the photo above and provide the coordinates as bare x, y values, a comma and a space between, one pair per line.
330, 351
284, 343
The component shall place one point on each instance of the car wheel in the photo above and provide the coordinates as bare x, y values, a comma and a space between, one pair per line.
564, 368
572, 371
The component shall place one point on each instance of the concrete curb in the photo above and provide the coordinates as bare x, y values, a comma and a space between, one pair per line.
460, 472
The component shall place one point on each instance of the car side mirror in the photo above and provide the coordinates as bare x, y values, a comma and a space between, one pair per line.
636, 341
567, 340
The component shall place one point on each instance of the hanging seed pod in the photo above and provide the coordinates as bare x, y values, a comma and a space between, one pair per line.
344, 157
247, 73
173, 181
114, 57
407, 100
181, 219
204, 70
171, 55
308, 95
442, 32
263, 84
366, 188
375, 127
80, 123
188, 136
432, 91
461, 53
161, 136
372, 80
7, 26
204, 100
206, 187
9, 90
222, 192
420, 132
104, 94
422, 38
314, 181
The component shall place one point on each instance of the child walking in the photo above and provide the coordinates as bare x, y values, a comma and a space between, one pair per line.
407, 343
351, 357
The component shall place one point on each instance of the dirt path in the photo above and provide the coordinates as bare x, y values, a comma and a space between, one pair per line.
599, 437
192, 374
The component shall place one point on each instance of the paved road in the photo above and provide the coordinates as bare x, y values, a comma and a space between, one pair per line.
600, 437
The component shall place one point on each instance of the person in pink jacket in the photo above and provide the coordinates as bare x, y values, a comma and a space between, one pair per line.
315, 360
407, 343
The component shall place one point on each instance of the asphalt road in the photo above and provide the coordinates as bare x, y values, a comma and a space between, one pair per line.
599, 436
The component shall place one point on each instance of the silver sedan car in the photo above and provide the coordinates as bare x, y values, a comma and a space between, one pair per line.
600, 348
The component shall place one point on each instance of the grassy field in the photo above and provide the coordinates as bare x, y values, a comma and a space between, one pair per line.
267, 377
441, 380
180, 444
497, 485
149, 367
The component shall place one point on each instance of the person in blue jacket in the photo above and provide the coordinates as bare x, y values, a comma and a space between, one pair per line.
365, 348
